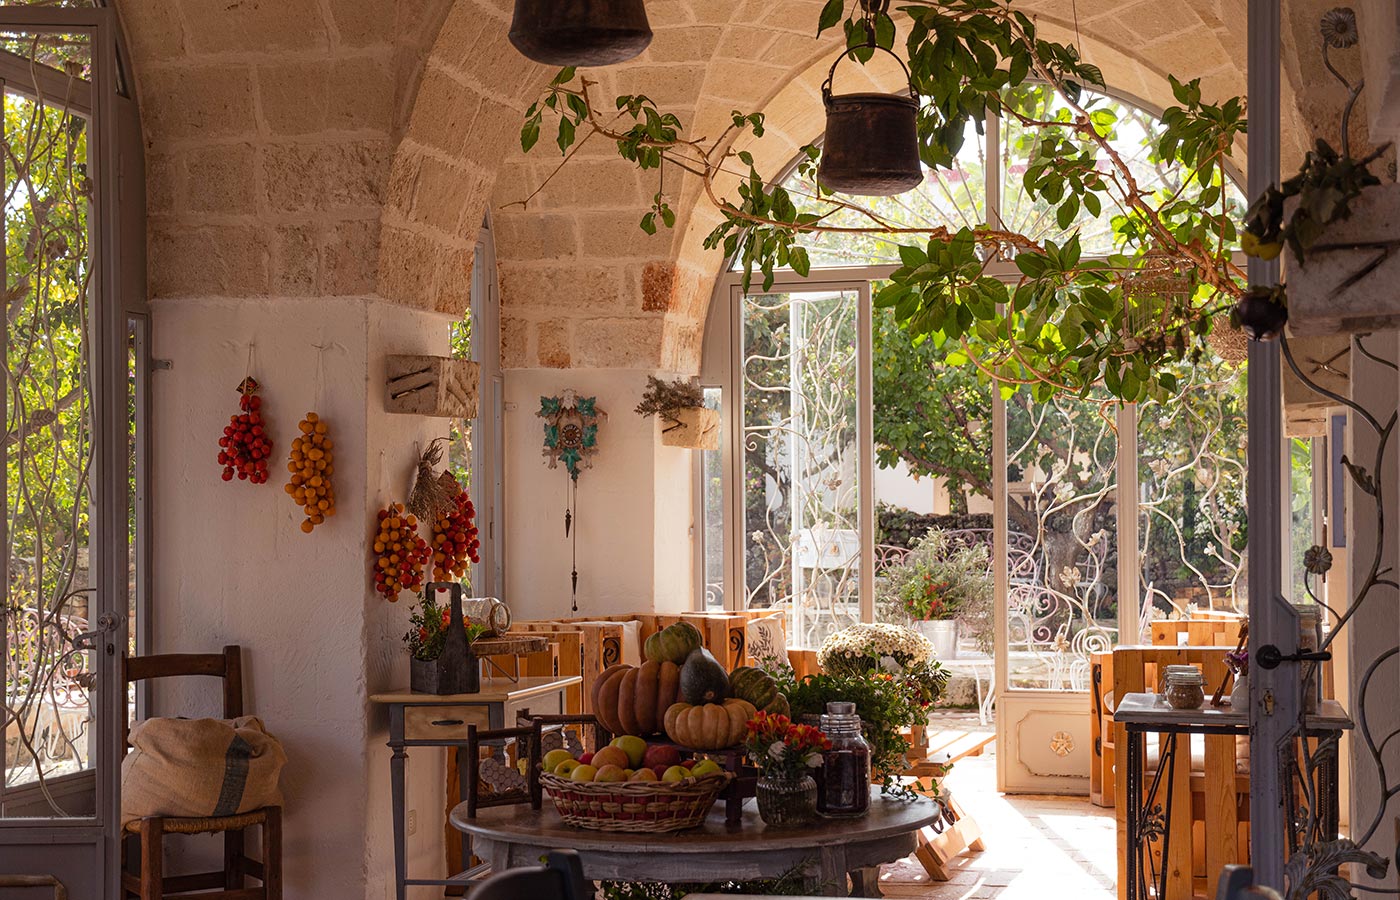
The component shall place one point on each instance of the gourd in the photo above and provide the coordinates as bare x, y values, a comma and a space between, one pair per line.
710, 726
673, 643
632, 700
703, 679
755, 686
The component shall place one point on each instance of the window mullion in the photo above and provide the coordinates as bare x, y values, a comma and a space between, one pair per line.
865, 439
1129, 563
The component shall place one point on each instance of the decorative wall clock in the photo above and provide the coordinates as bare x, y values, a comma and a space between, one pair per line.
571, 438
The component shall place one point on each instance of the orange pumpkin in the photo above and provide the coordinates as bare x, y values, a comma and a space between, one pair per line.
710, 726
632, 700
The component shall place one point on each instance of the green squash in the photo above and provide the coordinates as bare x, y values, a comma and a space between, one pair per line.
674, 643
703, 679
753, 685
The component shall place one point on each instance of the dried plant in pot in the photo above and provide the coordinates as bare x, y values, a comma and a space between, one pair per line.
680, 406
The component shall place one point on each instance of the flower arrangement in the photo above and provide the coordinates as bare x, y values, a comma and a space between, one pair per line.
782, 749
873, 648
940, 578
888, 673
927, 597
427, 631
1238, 661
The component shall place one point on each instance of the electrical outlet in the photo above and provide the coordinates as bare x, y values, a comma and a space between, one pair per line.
413, 821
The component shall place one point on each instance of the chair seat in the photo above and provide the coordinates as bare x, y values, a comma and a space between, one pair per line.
207, 824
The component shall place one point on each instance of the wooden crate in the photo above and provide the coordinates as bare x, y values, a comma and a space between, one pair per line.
1216, 632
600, 645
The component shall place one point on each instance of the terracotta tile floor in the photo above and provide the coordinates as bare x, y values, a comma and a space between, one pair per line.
1038, 847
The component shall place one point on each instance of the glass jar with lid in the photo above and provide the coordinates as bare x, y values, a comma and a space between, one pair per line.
1186, 690
843, 783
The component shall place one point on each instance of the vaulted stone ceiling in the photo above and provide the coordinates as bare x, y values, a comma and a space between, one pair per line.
352, 147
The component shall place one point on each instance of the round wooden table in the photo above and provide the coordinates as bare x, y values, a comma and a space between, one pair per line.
823, 853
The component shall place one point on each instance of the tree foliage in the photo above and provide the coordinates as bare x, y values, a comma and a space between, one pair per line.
1067, 322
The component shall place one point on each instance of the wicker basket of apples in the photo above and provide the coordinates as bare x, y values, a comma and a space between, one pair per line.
631, 786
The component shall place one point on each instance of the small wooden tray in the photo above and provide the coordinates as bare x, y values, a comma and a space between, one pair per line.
510, 645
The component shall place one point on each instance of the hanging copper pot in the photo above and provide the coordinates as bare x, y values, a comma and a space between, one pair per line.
580, 32
871, 148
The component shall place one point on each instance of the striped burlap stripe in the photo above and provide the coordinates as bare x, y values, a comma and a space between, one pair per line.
235, 776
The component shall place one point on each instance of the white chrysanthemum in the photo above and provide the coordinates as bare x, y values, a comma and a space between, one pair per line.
875, 642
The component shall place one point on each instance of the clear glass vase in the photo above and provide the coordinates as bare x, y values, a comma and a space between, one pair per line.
784, 801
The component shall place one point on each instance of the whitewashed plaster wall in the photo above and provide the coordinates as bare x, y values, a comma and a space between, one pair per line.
633, 505
1376, 626
317, 642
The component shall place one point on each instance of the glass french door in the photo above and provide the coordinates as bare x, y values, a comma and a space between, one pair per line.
72, 450
802, 426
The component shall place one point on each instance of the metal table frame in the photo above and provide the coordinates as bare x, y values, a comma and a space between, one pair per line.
1140, 714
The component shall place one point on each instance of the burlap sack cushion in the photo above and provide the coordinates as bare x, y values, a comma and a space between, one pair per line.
195, 768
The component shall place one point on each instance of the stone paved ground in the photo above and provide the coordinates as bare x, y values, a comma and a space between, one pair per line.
1038, 847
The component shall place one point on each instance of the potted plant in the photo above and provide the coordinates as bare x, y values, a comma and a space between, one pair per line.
785, 753
889, 673
430, 627
937, 588
685, 421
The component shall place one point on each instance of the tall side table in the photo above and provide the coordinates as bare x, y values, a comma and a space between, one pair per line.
1148, 817
433, 720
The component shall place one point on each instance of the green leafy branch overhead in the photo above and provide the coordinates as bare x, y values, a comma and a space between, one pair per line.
1060, 321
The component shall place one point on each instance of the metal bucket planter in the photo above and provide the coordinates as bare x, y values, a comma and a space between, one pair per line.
871, 144
1346, 284
456, 671
696, 428
580, 32
943, 634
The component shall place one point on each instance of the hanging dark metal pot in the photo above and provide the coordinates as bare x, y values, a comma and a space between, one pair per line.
871, 147
580, 32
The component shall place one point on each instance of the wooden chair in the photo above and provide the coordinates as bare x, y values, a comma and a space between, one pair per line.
143, 869
560, 878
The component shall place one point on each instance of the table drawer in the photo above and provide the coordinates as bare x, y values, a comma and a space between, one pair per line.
443, 723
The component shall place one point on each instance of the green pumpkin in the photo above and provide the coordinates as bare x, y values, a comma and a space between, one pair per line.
703, 679
779, 707
674, 643
753, 685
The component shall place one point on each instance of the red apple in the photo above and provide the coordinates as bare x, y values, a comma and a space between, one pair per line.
585, 758
660, 770
688, 763
661, 755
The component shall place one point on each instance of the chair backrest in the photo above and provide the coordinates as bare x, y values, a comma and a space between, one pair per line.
561, 878
227, 665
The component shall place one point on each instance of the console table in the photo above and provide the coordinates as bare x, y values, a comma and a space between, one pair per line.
433, 720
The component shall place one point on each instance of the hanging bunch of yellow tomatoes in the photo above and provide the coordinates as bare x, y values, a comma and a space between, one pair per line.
311, 465
455, 540
400, 554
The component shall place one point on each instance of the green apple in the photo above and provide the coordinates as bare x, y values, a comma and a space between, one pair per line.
566, 768
611, 773
584, 772
706, 767
553, 758
676, 773
633, 746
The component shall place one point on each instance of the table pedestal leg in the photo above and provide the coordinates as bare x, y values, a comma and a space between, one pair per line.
831, 872
396, 788
865, 882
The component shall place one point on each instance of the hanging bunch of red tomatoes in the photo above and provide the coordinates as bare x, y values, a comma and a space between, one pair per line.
246, 444
455, 540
